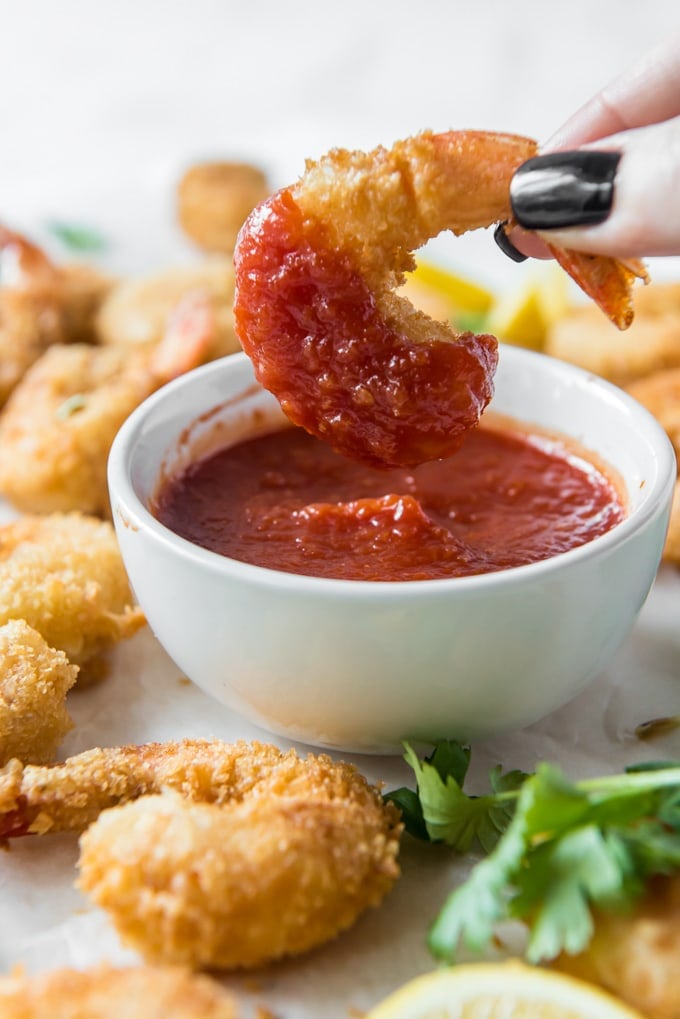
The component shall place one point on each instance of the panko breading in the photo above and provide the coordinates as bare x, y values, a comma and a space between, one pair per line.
63, 574
636, 955
136, 312
147, 992
41, 304
34, 681
59, 424
660, 394
671, 552
70, 796
215, 198
239, 885
651, 343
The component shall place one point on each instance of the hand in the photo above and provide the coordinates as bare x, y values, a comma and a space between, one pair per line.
619, 194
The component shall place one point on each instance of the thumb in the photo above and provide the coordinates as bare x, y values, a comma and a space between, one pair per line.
619, 196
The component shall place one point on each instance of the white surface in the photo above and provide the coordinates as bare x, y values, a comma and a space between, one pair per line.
101, 107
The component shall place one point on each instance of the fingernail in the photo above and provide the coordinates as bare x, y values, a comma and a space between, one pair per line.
564, 189
506, 245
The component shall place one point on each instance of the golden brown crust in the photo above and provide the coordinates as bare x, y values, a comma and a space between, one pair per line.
34, 681
660, 394
69, 796
136, 312
64, 575
239, 885
58, 426
651, 343
215, 198
107, 993
636, 956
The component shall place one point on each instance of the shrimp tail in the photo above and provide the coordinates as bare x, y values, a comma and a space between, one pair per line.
607, 281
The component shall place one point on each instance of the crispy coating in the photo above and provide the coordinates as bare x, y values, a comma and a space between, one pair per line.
136, 312
660, 394
34, 681
214, 199
650, 344
70, 796
636, 956
59, 424
41, 304
147, 992
240, 885
671, 552
63, 574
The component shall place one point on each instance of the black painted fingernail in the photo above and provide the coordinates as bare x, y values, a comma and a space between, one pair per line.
506, 245
564, 189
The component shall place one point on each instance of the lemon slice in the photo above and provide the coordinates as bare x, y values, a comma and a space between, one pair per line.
460, 294
525, 314
505, 990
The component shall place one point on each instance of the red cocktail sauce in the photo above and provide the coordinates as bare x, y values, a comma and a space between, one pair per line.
287, 501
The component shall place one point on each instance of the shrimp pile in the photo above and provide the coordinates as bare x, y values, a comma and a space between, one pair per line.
40, 304
317, 266
58, 426
34, 681
216, 855
636, 955
106, 993
64, 576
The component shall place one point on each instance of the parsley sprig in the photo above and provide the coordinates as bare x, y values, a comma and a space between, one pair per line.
556, 849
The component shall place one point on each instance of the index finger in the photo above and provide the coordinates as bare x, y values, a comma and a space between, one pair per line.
647, 93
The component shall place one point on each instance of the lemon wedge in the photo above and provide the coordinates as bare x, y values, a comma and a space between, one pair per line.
504, 990
461, 295
524, 315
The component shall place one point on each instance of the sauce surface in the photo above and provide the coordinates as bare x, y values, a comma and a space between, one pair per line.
287, 501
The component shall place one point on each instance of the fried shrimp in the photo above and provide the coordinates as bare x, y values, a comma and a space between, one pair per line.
636, 955
63, 575
34, 681
317, 265
58, 426
71, 795
651, 344
214, 199
40, 304
144, 992
240, 885
136, 312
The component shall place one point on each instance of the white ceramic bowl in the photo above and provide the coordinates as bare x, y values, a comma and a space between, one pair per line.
362, 665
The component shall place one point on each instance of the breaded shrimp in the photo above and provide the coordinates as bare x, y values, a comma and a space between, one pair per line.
41, 304
34, 681
214, 199
239, 885
636, 955
136, 311
651, 344
64, 576
671, 552
145, 992
70, 796
659, 392
317, 266
29, 308
58, 426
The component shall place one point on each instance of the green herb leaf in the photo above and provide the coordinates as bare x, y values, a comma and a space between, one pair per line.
78, 238
559, 849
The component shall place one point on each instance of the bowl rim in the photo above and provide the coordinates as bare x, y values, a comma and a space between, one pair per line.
131, 511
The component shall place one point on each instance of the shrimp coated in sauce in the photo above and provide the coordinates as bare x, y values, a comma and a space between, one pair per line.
317, 265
